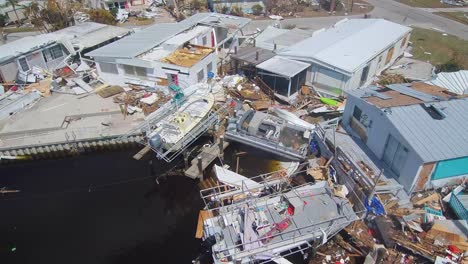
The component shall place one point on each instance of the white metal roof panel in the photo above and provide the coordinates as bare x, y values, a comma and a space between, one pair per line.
283, 66
455, 82
434, 139
349, 44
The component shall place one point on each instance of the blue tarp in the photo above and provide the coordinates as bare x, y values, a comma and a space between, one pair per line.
375, 207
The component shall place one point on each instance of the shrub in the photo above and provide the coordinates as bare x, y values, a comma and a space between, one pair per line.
3, 20
257, 9
237, 11
102, 16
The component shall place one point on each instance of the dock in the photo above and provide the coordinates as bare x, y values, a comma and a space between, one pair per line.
63, 125
204, 159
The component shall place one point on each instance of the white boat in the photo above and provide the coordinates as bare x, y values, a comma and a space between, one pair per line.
173, 128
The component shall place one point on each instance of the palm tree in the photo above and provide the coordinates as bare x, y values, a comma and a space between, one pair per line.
13, 4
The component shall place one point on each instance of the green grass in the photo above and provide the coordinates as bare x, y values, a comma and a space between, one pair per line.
425, 3
19, 29
457, 16
442, 48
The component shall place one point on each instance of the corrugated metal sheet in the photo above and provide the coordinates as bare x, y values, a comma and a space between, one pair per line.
13, 102
434, 139
283, 66
152, 36
249, 55
456, 82
348, 44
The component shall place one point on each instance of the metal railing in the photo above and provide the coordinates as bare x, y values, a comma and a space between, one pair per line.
458, 207
175, 150
301, 236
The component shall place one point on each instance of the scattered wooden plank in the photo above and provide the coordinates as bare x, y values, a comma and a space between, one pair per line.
430, 198
142, 153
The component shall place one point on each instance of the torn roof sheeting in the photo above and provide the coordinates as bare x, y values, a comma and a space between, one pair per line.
249, 55
433, 139
349, 44
455, 82
152, 36
283, 66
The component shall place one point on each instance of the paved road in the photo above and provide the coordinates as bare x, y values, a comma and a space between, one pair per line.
407, 15
388, 9
447, 9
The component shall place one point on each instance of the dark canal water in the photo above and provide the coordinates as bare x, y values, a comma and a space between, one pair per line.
103, 208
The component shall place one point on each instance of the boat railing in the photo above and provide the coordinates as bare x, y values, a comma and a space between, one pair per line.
301, 236
213, 117
271, 181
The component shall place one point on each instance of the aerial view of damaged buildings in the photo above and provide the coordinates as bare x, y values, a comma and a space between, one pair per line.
381, 164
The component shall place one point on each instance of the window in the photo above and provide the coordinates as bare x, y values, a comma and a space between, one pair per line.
134, 70
357, 113
200, 75
140, 71
364, 75
403, 42
389, 55
52, 53
24, 64
204, 41
108, 67
209, 67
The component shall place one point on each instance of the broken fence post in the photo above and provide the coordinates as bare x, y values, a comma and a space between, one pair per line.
221, 145
200, 165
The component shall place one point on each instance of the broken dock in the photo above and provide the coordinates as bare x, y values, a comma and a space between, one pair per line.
205, 158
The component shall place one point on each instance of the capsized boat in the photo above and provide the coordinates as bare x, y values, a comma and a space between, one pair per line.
264, 228
173, 128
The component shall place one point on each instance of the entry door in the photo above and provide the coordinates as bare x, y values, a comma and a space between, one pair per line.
395, 155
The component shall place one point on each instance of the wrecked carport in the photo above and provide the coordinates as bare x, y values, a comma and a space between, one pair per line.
283, 75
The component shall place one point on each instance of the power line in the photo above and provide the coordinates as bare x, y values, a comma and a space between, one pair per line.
89, 189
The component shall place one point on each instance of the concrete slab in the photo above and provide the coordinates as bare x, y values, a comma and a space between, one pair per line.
64, 117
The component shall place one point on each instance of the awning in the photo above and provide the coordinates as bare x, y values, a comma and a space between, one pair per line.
283, 66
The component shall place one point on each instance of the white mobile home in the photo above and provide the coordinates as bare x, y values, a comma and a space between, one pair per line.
180, 53
349, 54
48, 51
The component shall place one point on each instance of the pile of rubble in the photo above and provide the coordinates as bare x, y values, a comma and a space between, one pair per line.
423, 233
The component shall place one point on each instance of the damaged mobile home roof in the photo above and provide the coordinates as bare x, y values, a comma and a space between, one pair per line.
83, 36
25, 45
349, 44
90, 34
455, 82
154, 35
